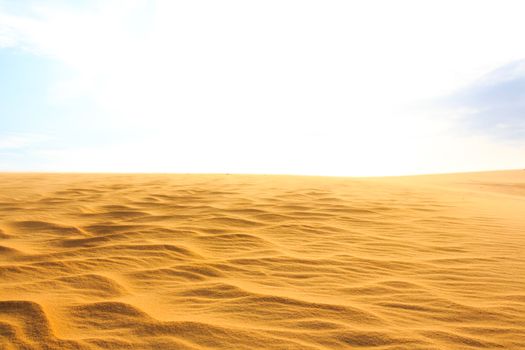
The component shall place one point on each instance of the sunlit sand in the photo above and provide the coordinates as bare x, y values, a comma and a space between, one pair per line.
262, 262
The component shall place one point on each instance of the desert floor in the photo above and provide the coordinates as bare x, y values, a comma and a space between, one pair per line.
94, 261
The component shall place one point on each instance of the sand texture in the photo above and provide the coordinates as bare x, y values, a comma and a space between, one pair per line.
262, 262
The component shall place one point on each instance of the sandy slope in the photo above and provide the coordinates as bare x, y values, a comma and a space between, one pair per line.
273, 262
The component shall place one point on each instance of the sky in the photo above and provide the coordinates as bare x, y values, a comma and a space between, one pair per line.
351, 88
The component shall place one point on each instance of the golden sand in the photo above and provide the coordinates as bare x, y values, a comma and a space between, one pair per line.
262, 262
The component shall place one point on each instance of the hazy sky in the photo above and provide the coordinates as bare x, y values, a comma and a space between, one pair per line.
297, 87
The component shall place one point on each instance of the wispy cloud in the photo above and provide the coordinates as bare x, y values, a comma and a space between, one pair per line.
495, 104
7, 38
16, 141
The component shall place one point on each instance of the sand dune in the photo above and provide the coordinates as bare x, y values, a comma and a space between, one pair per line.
262, 262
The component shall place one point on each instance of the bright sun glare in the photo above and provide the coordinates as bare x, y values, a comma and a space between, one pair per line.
297, 87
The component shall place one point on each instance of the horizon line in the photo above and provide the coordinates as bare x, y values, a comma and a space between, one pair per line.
36, 172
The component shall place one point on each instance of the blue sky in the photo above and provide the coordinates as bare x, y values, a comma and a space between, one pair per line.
31, 119
297, 87
496, 101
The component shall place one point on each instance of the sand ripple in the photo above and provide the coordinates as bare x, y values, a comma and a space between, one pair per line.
273, 262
